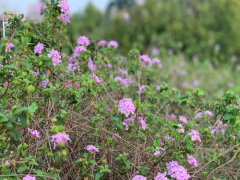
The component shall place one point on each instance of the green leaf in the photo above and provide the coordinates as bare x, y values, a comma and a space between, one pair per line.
10, 67
99, 175
201, 93
3, 119
229, 116
21, 169
33, 163
23, 120
38, 172
127, 164
24, 40
55, 98
32, 108
92, 162
223, 108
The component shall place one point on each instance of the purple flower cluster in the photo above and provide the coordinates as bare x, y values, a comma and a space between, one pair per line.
176, 171
180, 128
126, 106
139, 177
122, 72
90, 65
126, 82
60, 138
65, 9
172, 116
157, 61
38, 48
29, 178
96, 79
102, 43
183, 119
192, 161
56, 58
64, 18
142, 88
113, 44
161, 176
78, 50
91, 148
83, 40
9, 45
34, 133
145, 59
194, 135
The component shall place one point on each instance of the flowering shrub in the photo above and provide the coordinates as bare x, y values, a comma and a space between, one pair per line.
72, 117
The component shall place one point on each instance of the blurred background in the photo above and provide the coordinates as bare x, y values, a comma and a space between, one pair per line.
197, 41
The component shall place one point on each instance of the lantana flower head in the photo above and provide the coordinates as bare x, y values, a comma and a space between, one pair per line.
180, 128
192, 161
38, 48
64, 6
161, 176
34, 133
172, 116
209, 113
96, 79
83, 40
9, 45
157, 61
169, 138
67, 85
194, 135
7, 163
122, 81
60, 138
56, 58
126, 106
65, 18
113, 44
90, 65
139, 177
176, 171
142, 88
102, 43
27, 177
78, 50
128, 121
143, 124
91, 148
145, 59
122, 72
198, 115
183, 119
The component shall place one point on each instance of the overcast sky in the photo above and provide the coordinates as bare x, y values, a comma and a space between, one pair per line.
22, 5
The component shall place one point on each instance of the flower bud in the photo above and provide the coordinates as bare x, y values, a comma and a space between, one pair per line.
64, 152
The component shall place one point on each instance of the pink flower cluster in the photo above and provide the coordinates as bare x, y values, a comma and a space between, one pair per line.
78, 50
128, 121
29, 178
126, 106
126, 82
142, 88
169, 138
199, 115
161, 176
172, 116
183, 119
83, 40
90, 65
60, 138
65, 9
139, 177
194, 135
64, 6
157, 61
56, 58
9, 45
102, 43
145, 59
96, 79
180, 128
64, 18
192, 161
122, 72
113, 44
176, 171
38, 48
91, 148
34, 133
220, 126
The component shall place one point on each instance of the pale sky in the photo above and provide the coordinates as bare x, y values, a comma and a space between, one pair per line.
22, 5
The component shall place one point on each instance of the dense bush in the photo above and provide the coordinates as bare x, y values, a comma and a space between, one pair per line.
98, 115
